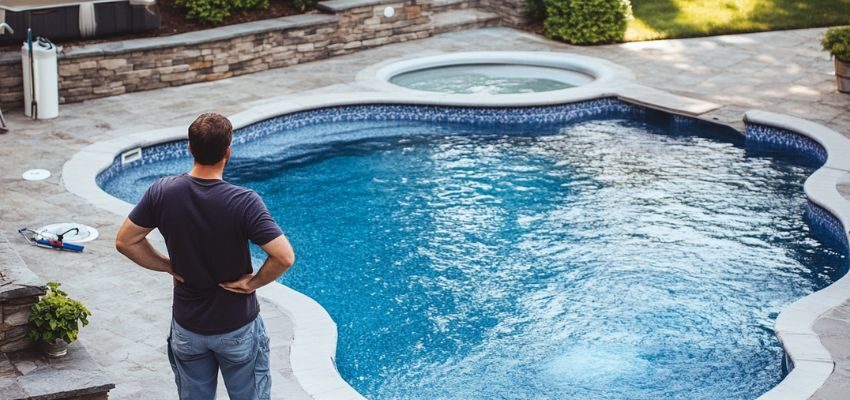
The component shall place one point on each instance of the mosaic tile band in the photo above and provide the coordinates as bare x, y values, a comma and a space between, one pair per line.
823, 220
539, 115
771, 138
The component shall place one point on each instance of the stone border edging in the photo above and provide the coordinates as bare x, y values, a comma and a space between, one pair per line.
202, 36
186, 39
342, 5
314, 342
17, 279
811, 361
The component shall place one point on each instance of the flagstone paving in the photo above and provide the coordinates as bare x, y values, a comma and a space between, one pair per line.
783, 72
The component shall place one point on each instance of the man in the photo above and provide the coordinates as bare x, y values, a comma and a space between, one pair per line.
207, 223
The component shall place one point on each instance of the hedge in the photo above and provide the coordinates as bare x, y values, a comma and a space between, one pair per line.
587, 21
215, 11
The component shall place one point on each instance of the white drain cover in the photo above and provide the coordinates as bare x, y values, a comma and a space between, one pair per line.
36, 175
83, 233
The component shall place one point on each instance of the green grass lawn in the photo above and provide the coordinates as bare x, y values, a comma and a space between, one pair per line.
662, 19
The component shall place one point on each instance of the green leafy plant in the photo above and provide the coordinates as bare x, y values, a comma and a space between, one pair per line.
837, 42
215, 11
587, 21
55, 316
304, 5
247, 4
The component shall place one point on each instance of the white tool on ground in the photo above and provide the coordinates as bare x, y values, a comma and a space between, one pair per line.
71, 232
36, 175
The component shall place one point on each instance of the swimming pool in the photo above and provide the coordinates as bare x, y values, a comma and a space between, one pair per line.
618, 253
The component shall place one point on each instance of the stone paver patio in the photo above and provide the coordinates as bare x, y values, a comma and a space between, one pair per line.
783, 72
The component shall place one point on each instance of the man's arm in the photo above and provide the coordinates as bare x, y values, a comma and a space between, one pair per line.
280, 258
132, 242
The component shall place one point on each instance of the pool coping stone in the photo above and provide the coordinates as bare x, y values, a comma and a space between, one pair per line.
811, 361
342, 5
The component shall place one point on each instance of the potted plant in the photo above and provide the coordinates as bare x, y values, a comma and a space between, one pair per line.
55, 321
837, 42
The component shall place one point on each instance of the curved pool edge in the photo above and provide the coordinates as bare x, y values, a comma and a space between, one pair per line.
313, 351
809, 361
603, 72
313, 347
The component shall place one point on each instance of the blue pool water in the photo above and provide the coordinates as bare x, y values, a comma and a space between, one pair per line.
624, 256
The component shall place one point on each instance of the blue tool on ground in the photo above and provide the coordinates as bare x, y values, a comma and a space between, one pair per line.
37, 239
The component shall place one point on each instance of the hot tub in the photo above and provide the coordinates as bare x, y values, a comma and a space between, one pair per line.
495, 73
490, 79
63, 20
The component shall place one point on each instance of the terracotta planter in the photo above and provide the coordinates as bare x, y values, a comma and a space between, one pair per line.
842, 75
56, 349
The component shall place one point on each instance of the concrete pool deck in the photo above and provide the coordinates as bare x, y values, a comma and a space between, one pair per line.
783, 72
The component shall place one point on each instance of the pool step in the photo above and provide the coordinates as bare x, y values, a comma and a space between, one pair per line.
458, 20
446, 5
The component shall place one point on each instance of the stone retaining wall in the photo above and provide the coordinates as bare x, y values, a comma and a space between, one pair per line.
511, 11
11, 84
109, 69
13, 331
19, 290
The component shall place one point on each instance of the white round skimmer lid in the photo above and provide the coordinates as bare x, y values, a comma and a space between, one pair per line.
85, 233
36, 175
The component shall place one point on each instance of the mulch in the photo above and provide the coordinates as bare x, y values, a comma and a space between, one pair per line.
174, 17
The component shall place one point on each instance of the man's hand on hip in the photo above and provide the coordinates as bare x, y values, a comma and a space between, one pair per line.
280, 259
242, 285
176, 277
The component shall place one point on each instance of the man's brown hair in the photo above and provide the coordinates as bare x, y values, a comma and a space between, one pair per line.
209, 138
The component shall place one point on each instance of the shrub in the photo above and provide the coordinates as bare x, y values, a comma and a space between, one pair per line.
55, 316
247, 4
837, 42
587, 21
215, 11
535, 10
209, 11
304, 5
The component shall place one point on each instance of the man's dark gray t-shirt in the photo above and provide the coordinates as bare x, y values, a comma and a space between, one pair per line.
207, 224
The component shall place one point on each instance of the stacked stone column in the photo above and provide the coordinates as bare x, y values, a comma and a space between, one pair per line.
15, 314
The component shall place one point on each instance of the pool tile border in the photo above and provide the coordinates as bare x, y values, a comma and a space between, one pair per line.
810, 363
394, 112
313, 348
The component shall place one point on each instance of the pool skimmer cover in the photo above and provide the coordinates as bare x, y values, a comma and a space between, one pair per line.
84, 233
36, 175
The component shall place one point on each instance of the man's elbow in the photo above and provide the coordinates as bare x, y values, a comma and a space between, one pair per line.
121, 246
284, 259
287, 260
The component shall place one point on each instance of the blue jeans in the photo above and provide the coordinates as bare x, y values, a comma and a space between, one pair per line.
242, 355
